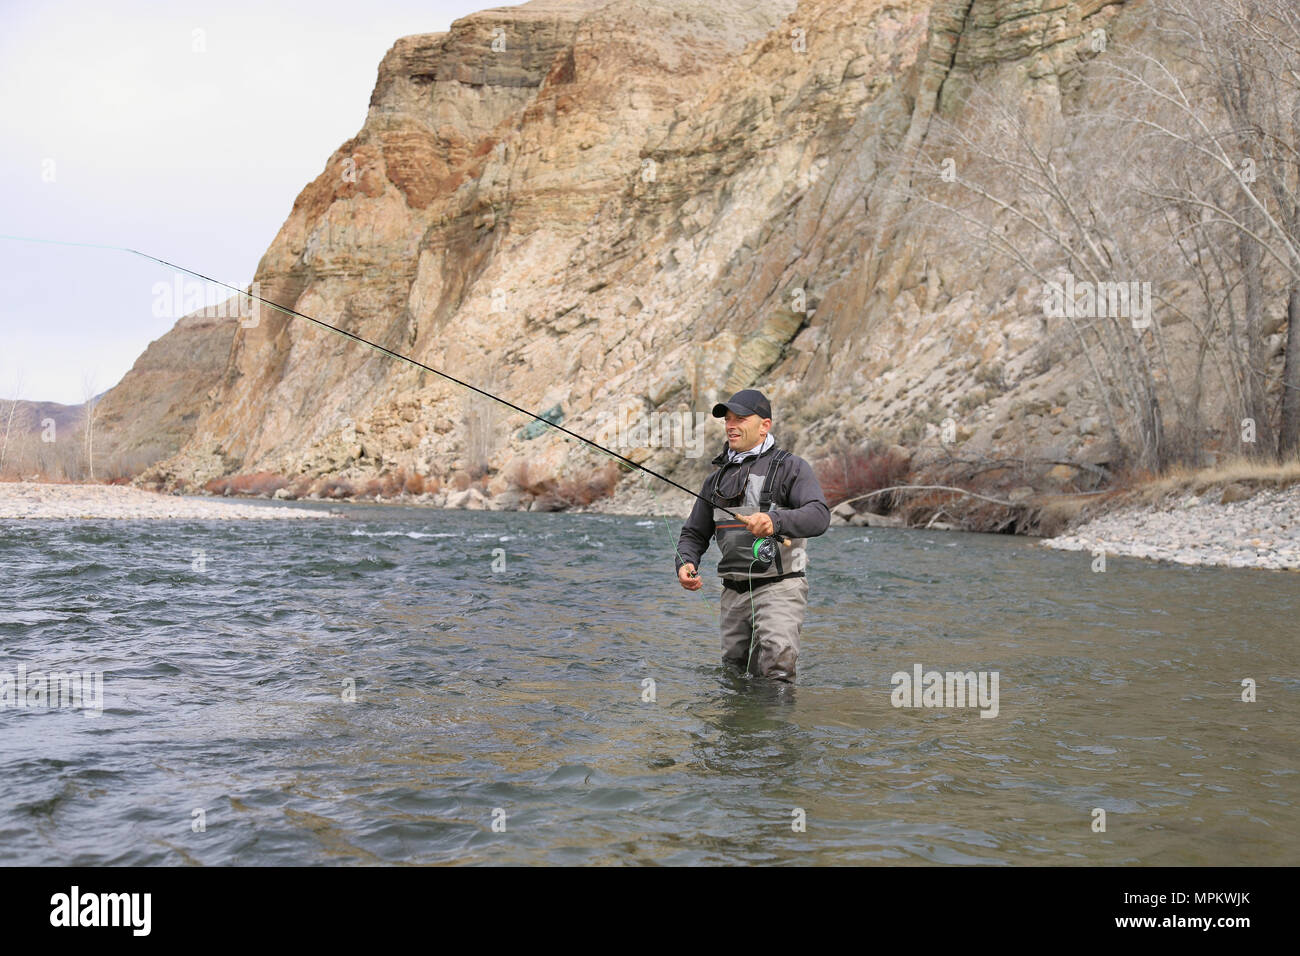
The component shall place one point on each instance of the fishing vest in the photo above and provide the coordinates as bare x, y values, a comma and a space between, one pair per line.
734, 541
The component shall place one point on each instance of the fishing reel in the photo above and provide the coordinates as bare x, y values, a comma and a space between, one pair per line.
764, 551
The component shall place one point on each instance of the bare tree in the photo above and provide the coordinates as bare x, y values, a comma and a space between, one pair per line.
479, 420
1228, 105
1189, 171
9, 418
1010, 178
88, 412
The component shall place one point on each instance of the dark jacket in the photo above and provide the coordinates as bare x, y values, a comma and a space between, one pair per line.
798, 507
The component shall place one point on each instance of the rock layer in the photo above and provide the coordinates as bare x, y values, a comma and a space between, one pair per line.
590, 207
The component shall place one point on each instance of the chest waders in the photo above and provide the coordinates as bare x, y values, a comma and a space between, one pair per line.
742, 553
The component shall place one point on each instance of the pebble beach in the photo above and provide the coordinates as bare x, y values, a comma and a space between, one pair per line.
44, 501
1262, 531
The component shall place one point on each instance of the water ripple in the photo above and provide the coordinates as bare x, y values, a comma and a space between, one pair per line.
380, 689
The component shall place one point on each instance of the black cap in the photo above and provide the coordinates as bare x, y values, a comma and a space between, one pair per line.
745, 402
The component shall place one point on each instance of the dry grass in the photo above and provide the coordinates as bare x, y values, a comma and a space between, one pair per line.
1054, 513
1245, 471
1057, 512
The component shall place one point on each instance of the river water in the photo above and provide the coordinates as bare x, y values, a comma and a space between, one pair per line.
499, 665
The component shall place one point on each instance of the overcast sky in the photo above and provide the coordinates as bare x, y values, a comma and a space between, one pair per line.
121, 125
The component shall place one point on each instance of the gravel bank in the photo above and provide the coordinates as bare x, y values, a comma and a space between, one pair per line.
670, 502
1261, 532
32, 500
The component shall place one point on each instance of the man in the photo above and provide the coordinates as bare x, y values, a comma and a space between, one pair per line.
777, 496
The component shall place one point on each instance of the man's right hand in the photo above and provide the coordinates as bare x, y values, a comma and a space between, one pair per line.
689, 577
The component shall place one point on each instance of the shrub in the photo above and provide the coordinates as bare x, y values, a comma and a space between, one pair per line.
517, 474
259, 483
973, 399
849, 471
580, 492
993, 375
334, 488
299, 487
912, 432
571, 492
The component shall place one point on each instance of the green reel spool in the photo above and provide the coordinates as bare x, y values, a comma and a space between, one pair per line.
764, 551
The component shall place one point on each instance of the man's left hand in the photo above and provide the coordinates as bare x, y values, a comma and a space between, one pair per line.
759, 524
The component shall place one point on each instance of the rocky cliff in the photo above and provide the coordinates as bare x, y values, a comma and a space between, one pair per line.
615, 211
152, 412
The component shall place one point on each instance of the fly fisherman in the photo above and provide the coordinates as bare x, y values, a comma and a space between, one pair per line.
776, 496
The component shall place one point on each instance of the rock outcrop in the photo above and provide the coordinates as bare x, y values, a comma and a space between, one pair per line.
595, 206
152, 412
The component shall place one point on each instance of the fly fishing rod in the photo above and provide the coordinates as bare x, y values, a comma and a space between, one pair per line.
397, 355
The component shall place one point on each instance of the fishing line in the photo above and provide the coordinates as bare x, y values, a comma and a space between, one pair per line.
387, 351
753, 618
763, 548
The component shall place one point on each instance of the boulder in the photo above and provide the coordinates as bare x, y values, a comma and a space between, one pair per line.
844, 510
509, 500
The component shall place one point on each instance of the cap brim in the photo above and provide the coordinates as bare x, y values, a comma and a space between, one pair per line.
720, 410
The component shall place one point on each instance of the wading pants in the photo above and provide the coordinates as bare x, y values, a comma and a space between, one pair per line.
777, 619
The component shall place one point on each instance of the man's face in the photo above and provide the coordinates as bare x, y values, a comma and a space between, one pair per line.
744, 432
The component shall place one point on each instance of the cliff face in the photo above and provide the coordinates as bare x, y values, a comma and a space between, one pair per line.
584, 206
152, 412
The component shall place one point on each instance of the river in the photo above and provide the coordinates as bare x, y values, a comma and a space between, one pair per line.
412, 686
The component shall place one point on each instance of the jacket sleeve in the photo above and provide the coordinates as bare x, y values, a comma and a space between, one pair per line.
806, 516
696, 533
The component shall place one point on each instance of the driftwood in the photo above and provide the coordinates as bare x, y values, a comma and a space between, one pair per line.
962, 491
